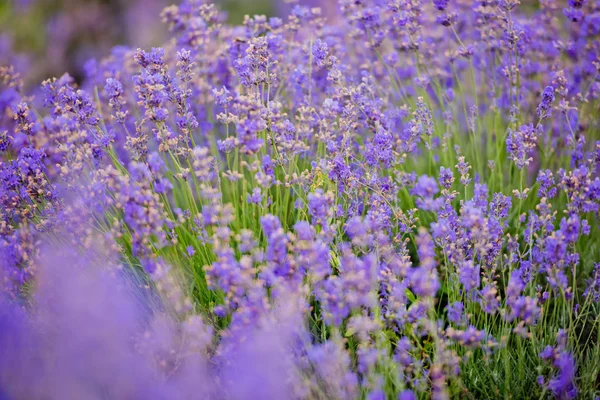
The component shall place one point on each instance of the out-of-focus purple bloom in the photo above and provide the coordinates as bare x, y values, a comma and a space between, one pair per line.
455, 313
319, 206
425, 188
407, 395
256, 196
320, 52
469, 275
424, 280
562, 383
593, 284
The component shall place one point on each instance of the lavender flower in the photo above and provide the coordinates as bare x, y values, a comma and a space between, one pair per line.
446, 178
455, 313
265, 212
521, 144
546, 103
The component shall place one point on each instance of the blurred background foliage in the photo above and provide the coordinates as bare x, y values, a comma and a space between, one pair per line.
45, 38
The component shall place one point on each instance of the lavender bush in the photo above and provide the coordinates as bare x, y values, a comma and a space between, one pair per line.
398, 204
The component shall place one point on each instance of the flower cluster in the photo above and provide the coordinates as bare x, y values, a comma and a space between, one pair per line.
400, 203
